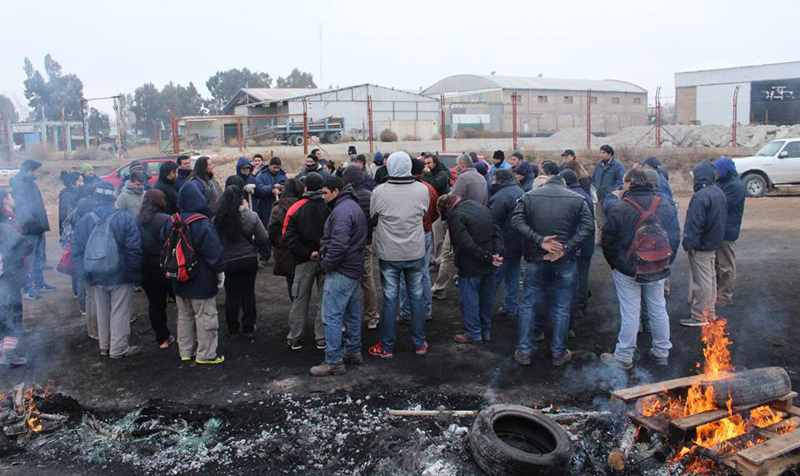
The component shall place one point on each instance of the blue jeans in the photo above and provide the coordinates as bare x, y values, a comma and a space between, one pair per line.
632, 296
508, 274
392, 273
543, 280
341, 306
427, 303
477, 299
37, 259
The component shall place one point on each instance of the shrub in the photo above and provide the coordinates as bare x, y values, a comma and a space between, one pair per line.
388, 135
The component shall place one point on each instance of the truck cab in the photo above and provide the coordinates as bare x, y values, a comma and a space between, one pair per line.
775, 165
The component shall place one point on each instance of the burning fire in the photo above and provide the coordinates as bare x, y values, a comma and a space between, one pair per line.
34, 422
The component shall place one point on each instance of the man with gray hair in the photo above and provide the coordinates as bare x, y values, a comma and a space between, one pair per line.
397, 208
469, 185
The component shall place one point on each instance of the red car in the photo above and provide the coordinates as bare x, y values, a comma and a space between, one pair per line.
151, 165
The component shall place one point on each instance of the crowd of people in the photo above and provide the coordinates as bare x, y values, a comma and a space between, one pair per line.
185, 237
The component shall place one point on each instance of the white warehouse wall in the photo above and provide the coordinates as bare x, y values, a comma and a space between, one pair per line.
715, 104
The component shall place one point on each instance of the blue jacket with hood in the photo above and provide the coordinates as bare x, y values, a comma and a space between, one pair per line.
248, 179
265, 184
704, 229
607, 177
206, 244
129, 244
732, 186
341, 248
29, 206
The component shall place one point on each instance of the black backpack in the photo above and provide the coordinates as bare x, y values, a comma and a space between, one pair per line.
650, 251
179, 261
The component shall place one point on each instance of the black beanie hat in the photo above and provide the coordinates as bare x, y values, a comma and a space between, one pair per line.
104, 191
234, 180
499, 154
417, 166
569, 176
313, 182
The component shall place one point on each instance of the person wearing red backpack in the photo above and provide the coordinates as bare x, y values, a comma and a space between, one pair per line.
196, 288
640, 240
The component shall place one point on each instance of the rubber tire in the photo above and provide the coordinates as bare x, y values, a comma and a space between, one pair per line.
497, 458
334, 138
758, 182
296, 140
752, 387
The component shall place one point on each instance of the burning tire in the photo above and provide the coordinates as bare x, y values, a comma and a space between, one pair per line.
515, 440
752, 387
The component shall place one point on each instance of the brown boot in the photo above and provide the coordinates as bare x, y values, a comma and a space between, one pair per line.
559, 361
324, 369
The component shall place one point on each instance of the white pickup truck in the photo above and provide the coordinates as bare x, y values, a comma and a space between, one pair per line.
776, 165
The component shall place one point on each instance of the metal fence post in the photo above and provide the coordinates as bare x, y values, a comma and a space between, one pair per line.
589, 120
176, 139
369, 120
734, 126
514, 121
305, 127
444, 129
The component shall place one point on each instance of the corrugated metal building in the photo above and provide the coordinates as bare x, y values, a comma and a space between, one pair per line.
543, 104
404, 112
768, 94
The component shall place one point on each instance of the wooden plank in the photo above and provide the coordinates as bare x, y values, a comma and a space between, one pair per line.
773, 448
648, 423
628, 395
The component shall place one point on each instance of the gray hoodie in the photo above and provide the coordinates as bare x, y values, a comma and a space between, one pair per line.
130, 200
398, 206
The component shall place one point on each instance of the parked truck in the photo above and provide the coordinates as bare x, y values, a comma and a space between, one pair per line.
775, 165
327, 131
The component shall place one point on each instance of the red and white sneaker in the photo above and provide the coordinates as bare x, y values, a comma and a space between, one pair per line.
422, 350
378, 351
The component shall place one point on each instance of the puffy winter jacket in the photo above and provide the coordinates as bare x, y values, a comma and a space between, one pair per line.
619, 228
475, 238
206, 244
587, 248
129, 245
502, 202
28, 204
151, 240
732, 186
304, 226
245, 242
342, 246
471, 186
265, 184
130, 200
704, 229
354, 177
552, 210
607, 177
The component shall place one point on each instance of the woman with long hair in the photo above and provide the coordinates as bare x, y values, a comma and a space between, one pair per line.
584, 179
67, 203
152, 217
203, 177
284, 262
241, 234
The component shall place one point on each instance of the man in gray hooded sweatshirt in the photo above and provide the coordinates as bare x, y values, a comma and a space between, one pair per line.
397, 208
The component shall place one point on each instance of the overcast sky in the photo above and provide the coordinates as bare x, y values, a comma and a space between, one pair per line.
117, 46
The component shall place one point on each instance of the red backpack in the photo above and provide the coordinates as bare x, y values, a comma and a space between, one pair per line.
650, 251
179, 261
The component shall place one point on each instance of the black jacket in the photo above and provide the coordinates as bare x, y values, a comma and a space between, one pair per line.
620, 227
183, 176
28, 204
502, 201
704, 229
381, 175
14, 248
306, 225
732, 187
151, 240
355, 177
67, 202
170, 189
344, 238
587, 248
475, 238
440, 179
552, 210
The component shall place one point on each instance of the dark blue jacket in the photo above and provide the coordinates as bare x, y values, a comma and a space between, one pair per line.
341, 248
607, 178
704, 229
502, 200
619, 228
183, 176
663, 186
28, 204
587, 248
152, 243
265, 183
206, 244
732, 186
129, 245
248, 179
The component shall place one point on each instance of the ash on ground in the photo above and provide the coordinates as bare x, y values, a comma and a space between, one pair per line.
287, 434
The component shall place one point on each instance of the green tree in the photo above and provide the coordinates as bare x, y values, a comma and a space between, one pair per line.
297, 79
59, 91
148, 107
7, 109
99, 123
224, 84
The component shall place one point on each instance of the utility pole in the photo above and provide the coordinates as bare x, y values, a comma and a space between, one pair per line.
734, 125
588, 120
321, 82
514, 121
84, 105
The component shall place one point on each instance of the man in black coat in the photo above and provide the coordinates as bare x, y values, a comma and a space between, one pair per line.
703, 234
732, 186
33, 222
478, 245
304, 227
503, 198
167, 177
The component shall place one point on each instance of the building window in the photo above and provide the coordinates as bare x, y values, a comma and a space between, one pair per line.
614, 100
594, 99
567, 99
637, 100
542, 99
